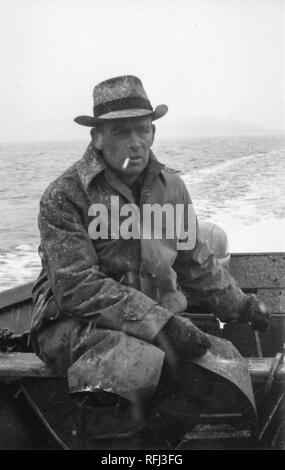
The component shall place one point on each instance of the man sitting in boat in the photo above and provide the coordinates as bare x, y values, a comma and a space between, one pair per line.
109, 310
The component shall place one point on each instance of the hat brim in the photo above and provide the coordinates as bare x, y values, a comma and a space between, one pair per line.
91, 121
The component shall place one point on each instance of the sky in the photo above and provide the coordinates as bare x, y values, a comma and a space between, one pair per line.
217, 64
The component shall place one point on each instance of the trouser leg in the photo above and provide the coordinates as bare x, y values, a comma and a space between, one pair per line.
181, 396
93, 358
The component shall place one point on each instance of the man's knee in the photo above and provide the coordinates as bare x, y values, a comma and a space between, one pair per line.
121, 364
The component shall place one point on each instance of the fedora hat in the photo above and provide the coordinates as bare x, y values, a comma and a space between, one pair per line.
119, 98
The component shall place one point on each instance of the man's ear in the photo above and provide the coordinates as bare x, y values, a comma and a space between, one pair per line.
153, 132
97, 138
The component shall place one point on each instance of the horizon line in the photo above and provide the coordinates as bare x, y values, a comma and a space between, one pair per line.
205, 136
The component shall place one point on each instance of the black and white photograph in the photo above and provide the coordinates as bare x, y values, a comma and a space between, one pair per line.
142, 230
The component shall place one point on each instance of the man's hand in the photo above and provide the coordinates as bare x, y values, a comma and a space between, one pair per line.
183, 336
256, 313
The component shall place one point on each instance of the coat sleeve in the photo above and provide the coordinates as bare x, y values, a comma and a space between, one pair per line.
79, 287
203, 280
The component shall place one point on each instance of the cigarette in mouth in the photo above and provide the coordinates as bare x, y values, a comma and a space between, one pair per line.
126, 162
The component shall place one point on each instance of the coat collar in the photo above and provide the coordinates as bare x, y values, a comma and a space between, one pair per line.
91, 164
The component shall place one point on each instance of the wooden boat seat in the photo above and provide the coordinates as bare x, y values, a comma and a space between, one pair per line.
19, 365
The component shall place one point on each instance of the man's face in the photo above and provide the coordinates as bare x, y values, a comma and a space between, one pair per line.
127, 138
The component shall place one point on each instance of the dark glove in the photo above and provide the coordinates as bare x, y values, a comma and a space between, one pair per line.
183, 336
256, 313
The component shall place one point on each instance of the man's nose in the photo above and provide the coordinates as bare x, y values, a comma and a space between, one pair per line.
134, 141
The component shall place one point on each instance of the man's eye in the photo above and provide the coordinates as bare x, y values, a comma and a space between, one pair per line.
121, 132
143, 129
